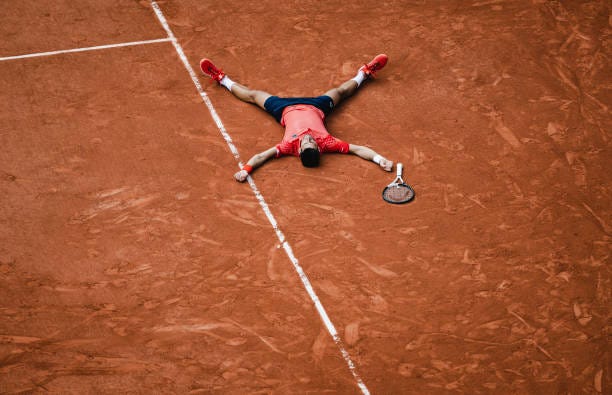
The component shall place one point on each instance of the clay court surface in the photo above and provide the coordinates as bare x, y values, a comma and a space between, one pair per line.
132, 262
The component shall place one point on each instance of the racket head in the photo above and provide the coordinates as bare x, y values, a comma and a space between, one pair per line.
398, 193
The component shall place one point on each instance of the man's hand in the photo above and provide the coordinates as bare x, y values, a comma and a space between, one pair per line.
241, 176
253, 163
369, 154
386, 164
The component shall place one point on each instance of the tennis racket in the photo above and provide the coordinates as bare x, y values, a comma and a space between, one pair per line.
398, 192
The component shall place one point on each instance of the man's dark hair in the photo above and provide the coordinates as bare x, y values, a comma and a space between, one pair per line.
310, 157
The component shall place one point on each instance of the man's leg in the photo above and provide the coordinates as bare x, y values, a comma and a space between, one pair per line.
349, 87
342, 92
249, 95
240, 91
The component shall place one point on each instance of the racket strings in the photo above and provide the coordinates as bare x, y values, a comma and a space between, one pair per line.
398, 194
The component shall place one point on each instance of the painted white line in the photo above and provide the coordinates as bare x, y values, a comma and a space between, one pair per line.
281, 237
34, 55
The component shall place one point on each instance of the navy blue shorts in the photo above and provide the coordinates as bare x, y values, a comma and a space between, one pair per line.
275, 105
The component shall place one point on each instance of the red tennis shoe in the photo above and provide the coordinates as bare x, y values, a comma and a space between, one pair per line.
211, 70
375, 64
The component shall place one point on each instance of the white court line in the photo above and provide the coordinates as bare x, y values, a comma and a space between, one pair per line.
34, 55
281, 237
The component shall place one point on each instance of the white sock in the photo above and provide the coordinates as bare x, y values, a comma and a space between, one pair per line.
360, 77
226, 82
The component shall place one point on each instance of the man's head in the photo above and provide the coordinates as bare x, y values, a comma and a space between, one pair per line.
309, 151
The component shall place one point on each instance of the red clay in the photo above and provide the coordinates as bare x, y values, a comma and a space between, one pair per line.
132, 262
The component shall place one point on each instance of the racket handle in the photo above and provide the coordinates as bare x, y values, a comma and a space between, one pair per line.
400, 168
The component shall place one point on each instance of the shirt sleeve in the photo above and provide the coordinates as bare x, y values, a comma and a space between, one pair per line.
332, 144
285, 148
279, 151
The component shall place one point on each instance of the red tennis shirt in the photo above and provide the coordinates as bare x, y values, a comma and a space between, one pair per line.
304, 119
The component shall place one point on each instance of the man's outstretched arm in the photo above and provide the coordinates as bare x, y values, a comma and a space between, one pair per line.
253, 163
369, 154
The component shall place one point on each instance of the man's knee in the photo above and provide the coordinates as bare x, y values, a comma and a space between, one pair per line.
348, 88
250, 96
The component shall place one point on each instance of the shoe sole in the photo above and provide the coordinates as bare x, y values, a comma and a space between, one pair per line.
378, 63
206, 65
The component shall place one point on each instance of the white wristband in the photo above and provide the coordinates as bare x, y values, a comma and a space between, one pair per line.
377, 159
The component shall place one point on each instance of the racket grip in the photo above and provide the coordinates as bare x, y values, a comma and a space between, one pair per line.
400, 168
